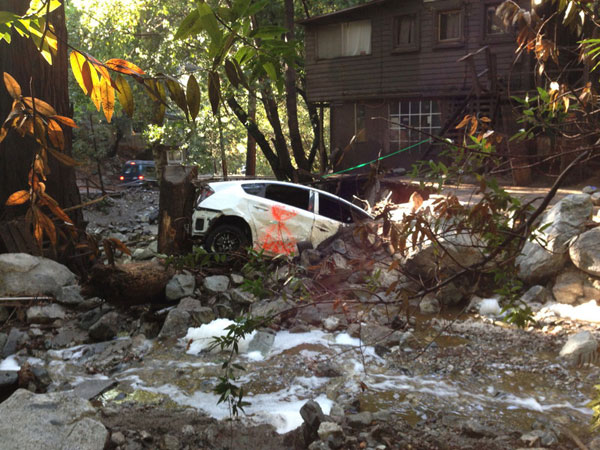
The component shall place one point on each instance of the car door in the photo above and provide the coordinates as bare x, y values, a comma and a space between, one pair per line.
331, 214
282, 218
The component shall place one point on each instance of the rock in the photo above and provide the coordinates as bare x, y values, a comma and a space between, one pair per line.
585, 252
564, 220
23, 274
118, 438
429, 304
45, 314
339, 246
596, 198
70, 295
537, 294
425, 259
328, 369
360, 420
198, 314
313, 416
580, 348
261, 342
181, 285
9, 382
176, 324
142, 254
574, 287
68, 336
450, 294
106, 327
57, 420
4, 314
310, 257
15, 339
589, 190
383, 276
331, 323
268, 307
339, 262
476, 430
89, 389
242, 297
237, 279
372, 334
541, 437
216, 284
327, 429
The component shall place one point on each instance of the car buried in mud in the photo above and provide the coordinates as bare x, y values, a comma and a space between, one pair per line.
270, 216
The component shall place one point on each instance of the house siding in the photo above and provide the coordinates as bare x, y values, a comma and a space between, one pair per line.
430, 70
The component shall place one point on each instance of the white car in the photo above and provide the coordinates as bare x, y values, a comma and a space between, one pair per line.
272, 216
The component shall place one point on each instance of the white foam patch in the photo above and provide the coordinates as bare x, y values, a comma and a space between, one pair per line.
10, 364
284, 340
587, 312
489, 307
201, 338
280, 409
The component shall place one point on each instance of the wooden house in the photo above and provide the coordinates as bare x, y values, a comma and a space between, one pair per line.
392, 72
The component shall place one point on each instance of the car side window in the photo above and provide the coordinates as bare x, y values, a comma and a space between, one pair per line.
254, 189
334, 209
290, 195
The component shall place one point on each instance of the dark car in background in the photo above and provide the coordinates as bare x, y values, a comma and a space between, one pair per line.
138, 172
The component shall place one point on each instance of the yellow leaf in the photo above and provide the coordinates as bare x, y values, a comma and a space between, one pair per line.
120, 65
96, 94
107, 96
17, 198
77, 63
3, 132
124, 94
14, 89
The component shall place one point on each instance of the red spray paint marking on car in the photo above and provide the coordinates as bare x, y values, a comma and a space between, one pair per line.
278, 238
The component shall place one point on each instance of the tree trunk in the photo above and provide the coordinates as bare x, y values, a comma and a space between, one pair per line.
251, 151
282, 173
291, 96
176, 204
22, 60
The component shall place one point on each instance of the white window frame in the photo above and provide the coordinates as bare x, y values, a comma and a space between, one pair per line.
417, 119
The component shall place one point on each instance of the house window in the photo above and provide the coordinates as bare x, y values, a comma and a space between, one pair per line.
493, 25
408, 118
406, 32
450, 26
360, 128
344, 39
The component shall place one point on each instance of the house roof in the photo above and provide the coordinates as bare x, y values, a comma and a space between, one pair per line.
340, 13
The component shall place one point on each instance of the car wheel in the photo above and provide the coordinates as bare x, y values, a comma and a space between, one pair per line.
226, 239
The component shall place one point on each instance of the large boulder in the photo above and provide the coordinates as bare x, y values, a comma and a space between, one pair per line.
180, 286
460, 250
23, 274
580, 348
57, 420
575, 287
539, 262
585, 252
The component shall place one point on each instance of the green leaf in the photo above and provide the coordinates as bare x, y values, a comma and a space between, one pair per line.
268, 32
193, 97
209, 22
188, 25
7, 17
270, 70
240, 7
256, 7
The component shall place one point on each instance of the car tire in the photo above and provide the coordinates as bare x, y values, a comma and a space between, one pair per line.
226, 239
